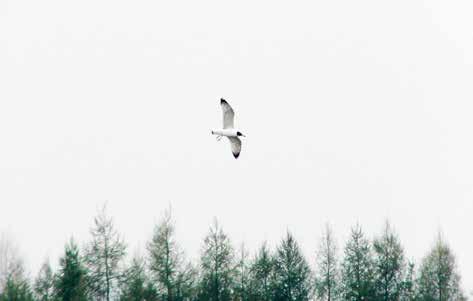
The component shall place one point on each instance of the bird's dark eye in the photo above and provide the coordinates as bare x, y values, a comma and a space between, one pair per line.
239, 134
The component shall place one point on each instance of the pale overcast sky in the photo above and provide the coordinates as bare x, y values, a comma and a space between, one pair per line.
353, 110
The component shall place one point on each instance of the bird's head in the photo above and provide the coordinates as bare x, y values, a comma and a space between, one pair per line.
239, 134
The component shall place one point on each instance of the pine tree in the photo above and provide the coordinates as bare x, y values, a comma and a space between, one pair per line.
327, 271
409, 289
242, 275
217, 266
71, 282
16, 290
44, 284
175, 279
103, 256
150, 293
389, 265
136, 285
186, 283
439, 279
11, 264
261, 273
14, 285
291, 272
357, 268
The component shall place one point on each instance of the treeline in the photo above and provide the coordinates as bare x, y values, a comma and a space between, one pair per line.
362, 270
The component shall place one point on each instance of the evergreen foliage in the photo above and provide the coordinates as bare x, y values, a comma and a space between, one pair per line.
11, 264
173, 276
327, 272
358, 268
16, 290
136, 285
217, 266
409, 288
439, 279
292, 276
389, 265
44, 284
368, 271
242, 275
103, 256
261, 275
71, 280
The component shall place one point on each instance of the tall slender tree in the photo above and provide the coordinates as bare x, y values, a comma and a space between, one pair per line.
15, 285
409, 288
217, 266
242, 275
186, 283
11, 264
327, 270
174, 277
291, 272
71, 281
16, 289
262, 271
135, 285
389, 265
103, 256
44, 283
439, 279
357, 268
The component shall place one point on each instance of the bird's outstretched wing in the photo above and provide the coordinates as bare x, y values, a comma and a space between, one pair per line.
228, 114
235, 143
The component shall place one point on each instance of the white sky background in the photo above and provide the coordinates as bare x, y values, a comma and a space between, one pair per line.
354, 111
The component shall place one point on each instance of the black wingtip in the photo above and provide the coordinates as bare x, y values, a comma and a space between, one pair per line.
223, 100
236, 155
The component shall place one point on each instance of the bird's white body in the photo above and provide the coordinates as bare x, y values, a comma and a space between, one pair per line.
225, 132
228, 130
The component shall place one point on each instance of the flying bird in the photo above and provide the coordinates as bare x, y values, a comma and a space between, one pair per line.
228, 130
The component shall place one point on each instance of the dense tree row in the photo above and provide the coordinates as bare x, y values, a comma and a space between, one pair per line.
364, 270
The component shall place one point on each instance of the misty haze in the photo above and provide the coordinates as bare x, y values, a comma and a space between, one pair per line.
344, 174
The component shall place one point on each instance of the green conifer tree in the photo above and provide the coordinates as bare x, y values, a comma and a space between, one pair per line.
292, 276
11, 264
103, 257
71, 281
409, 288
135, 285
44, 284
439, 279
242, 275
16, 290
217, 266
175, 278
262, 272
327, 270
389, 265
357, 268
